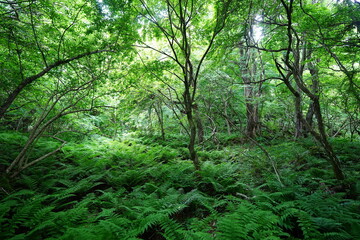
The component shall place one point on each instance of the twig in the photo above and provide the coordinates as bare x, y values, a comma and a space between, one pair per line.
5, 191
273, 163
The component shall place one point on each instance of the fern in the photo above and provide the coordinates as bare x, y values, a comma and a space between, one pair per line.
111, 229
81, 233
41, 215
29, 182
338, 236
106, 214
248, 222
172, 229
45, 228
308, 228
148, 222
119, 190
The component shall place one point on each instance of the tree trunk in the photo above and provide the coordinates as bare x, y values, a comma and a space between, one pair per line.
310, 114
189, 109
228, 124
160, 116
251, 118
249, 75
327, 147
199, 126
298, 123
252, 107
191, 146
293, 67
320, 137
314, 71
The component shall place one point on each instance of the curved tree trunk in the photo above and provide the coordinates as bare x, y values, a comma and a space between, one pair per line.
27, 81
294, 63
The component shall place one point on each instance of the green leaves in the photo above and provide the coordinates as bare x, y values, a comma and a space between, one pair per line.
146, 190
117, 177
247, 222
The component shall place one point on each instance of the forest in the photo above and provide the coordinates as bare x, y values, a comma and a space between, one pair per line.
180, 119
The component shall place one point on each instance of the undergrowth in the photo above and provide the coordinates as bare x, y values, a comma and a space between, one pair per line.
144, 189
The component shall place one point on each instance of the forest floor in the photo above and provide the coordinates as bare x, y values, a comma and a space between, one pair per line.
142, 187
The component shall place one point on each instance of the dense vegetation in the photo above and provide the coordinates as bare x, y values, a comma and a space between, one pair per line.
179, 119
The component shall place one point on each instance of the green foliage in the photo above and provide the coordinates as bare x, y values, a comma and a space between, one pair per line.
141, 192
125, 173
245, 221
11, 145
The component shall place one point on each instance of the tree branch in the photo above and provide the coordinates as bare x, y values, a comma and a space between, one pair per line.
27, 81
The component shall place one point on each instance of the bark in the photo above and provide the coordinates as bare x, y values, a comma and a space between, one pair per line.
192, 140
320, 137
251, 92
199, 126
298, 123
160, 116
295, 68
314, 72
310, 114
20, 162
324, 140
252, 117
249, 75
227, 120
25, 166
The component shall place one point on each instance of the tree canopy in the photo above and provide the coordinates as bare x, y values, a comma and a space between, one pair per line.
178, 118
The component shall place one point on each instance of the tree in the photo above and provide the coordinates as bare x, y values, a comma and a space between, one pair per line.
27, 81
38, 37
63, 62
292, 67
177, 22
237, 43
251, 66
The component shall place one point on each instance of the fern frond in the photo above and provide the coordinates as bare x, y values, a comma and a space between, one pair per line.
172, 229
338, 236
248, 222
106, 214
309, 229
